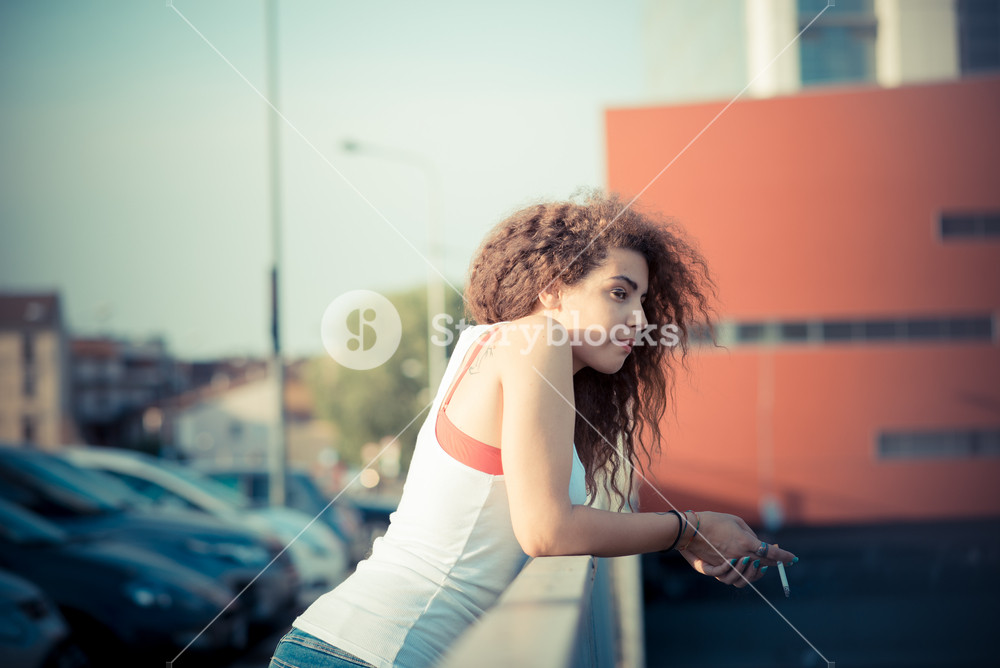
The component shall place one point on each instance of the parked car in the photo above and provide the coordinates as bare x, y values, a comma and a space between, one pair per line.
375, 512
122, 601
320, 558
86, 504
33, 633
356, 522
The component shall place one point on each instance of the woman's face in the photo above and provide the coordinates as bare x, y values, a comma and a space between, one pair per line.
603, 313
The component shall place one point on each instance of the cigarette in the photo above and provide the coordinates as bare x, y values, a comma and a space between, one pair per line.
784, 580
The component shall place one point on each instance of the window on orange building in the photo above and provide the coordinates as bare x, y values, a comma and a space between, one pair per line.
939, 444
924, 328
880, 330
977, 328
970, 225
918, 329
792, 332
750, 331
838, 330
701, 333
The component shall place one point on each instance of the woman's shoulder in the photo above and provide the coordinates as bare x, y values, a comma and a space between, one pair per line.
532, 341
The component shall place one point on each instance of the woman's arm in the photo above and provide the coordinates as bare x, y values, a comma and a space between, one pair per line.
536, 448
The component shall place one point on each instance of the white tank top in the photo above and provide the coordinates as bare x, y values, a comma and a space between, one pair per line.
448, 554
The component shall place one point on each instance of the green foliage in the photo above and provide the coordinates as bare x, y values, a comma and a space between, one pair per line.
367, 406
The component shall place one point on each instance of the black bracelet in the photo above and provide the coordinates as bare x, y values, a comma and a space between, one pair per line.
681, 523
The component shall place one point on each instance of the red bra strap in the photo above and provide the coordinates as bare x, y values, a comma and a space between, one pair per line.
479, 346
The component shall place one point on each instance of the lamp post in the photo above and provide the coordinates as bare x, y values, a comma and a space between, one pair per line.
277, 450
435, 285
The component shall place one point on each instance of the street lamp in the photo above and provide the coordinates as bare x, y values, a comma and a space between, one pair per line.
277, 452
435, 284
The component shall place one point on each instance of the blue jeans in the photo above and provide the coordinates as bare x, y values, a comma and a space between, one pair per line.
298, 649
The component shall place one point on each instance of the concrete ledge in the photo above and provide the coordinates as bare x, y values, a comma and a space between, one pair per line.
543, 619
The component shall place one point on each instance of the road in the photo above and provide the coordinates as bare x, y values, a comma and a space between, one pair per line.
913, 595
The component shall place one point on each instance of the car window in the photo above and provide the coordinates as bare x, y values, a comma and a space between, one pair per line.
20, 526
230, 480
50, 487
209, 486
256, 484
158, 494
259, 488
307, 492
104, 487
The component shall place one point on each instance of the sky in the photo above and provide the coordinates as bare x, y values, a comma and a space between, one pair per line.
134, 164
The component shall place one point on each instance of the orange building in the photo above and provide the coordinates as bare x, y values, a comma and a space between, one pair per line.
854, 235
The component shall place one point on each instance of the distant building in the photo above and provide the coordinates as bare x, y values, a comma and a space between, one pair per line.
695, 51
34, 387
229, 420
118, 385
854, 234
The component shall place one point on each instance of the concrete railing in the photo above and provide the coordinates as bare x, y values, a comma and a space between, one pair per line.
561, 612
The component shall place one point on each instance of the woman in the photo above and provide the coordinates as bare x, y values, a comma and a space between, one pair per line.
565, 293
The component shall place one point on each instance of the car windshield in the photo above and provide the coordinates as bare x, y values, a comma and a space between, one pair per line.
207, 485
302, 491
51, 486
21, 526
305, 486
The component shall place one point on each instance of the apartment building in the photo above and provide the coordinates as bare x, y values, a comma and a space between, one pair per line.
34, 388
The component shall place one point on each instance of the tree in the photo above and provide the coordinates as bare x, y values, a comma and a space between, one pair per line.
367, 406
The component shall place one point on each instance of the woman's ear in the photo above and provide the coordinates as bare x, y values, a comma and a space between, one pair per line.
550, 297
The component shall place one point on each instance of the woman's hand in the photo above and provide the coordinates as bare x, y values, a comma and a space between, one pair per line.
728, 550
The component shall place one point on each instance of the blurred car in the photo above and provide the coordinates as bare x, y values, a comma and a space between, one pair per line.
86, 503
121, 601
320, 557
375, 512
33, 634
358, 524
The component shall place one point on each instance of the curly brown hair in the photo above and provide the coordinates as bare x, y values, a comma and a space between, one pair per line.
563, 242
